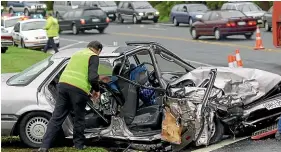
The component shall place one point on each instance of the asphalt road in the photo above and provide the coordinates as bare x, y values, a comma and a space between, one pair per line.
206, 51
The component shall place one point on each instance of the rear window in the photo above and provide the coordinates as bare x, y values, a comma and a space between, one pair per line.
11, 22
232, 14
93, 12
197, 8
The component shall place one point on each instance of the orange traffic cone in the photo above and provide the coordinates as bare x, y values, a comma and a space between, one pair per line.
238, 59
230, 61
259, 45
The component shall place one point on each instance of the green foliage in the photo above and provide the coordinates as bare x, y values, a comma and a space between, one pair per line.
215, 5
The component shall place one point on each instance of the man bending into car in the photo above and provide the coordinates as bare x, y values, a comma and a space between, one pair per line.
78, 82
52, 28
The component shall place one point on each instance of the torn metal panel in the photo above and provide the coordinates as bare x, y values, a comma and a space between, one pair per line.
245, 84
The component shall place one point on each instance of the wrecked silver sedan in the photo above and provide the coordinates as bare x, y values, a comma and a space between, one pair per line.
154, 100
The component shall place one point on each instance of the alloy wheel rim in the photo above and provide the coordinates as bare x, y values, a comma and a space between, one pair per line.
193, 33
217, 34
36, 128
175, 21
25, 12
266, 26
74, 30
135, 20
190, 22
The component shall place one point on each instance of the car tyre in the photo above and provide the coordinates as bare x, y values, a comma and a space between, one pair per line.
4, 49
101, 30
176, 23
14, 43
75, 31
194, 34
135, 20
120, 19
11, 11
267, 27
219, 132
26, 12
33, 127
218, 35
248, 36
22, 44
190, 22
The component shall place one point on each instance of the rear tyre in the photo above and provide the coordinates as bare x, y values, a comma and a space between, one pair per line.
218, 35
267, 27
248, 36
176, 23
33, 127
74, 29
194, 34
101, 30
11, 11
26, 12
4, 49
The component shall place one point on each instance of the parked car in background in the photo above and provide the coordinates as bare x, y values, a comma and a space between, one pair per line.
81, 19
6, 40
8, 23
187, 13
224, 23
248, 8
109, 7
267, 19
30, 34
61, 7
136, 11
27, 7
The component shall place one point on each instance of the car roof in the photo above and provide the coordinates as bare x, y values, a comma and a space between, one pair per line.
107, 51
32, 20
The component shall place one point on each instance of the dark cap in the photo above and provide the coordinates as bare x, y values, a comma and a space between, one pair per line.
96, 45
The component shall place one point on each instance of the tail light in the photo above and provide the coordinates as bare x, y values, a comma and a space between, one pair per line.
107, 20
252, 23
6, 37
82, 21
230, 24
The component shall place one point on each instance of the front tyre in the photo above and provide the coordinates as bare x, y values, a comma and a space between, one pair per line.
33, 127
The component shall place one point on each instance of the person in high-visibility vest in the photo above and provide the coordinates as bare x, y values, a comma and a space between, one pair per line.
78, 82
52, 28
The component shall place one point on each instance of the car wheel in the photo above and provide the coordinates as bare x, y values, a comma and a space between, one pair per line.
218, 35
33, 127
248, 36
218, 132
121, 20
11, 11
135, 20
176, 23
101, 30
267, 27
14, 43
4, 49
74, 29
194, 34
22, 44
190, 21
26, 12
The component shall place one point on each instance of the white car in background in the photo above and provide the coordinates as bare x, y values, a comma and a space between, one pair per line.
8, 23
30, 34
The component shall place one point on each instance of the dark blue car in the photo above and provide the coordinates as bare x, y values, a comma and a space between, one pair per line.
187, 13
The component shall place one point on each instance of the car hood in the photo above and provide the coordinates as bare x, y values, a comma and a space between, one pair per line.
243, 83
146, 10
33, 33
255, 13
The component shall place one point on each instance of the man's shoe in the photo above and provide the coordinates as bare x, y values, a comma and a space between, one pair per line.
278, 136
41, 150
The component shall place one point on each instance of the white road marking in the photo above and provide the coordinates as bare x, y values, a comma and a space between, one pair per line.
141, 25
205, 64
219, 145
162, 29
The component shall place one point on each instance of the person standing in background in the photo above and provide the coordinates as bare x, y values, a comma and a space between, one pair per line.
52, 28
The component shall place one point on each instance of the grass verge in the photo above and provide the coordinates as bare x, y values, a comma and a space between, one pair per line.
13, 144
18, 59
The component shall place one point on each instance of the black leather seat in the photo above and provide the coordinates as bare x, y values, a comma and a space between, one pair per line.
147, 117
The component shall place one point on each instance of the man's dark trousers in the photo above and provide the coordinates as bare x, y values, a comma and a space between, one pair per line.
69, 97
51, 42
